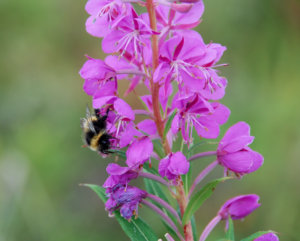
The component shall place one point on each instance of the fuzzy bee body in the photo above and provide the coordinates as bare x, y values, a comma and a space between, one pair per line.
95, 133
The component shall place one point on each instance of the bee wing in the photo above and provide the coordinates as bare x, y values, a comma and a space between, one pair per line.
82, 122
89, 119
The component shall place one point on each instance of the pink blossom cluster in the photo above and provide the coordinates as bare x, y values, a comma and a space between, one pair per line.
184, 63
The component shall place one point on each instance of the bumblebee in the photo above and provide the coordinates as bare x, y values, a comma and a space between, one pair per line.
95, 133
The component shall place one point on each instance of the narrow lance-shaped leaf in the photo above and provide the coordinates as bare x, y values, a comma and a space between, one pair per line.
158, 148
168, 124
199, 198
230, 232
137, 229
256, 235
187, 178
194, 227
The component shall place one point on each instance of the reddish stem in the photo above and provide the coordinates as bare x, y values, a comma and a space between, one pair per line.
181, 197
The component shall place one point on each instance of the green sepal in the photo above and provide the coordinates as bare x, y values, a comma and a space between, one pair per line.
197, 200
230, 232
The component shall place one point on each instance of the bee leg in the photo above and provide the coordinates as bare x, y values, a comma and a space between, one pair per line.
97, 112
105, 116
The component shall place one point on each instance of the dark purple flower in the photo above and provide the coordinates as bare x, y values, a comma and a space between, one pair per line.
119, 175
267, 237
139, 151
233, 152
172, 166
125, 199
239, 207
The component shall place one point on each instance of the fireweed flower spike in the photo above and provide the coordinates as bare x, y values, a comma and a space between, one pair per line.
237, 208
159, 50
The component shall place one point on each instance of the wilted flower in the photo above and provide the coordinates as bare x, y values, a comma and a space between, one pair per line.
126, 199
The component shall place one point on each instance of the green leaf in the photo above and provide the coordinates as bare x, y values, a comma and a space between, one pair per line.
194, 227
154, 188
137, 229
256, 235
199, 144
118, 153
230, 232
171, 231
199, 198
158, 148
99, 190
187, 178
169, 123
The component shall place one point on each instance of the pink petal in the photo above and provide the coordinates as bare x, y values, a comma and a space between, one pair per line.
139, 151
99, 102
178, 164
213, 128
115, 169
257, 159
220, 114
108, 89
194, 14
124, 109
239, 162
147, 126
99, 28
127, 135
163, 165
239, 129
238, 143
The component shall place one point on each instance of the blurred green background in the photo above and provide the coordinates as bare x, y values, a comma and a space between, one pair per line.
42, 46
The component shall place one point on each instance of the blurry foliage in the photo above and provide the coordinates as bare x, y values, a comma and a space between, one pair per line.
42, 45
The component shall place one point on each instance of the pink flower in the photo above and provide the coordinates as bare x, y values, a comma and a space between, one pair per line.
233, 152
131, 34
237, 208
119, 175
267, 237
103, 14
126, 199
196, 112
139, 151
169, 20
172, 166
